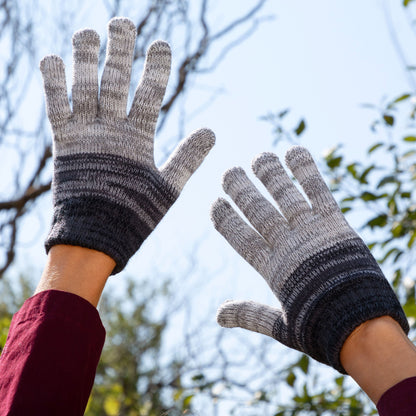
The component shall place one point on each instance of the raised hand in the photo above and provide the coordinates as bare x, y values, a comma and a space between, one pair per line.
321, 271
108, 194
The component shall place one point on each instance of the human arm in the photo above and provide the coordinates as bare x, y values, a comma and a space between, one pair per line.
108, 196
322, 273
378, 355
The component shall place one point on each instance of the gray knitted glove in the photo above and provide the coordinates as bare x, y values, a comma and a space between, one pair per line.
320, 270
108, 194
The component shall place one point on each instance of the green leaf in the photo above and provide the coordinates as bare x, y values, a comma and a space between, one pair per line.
300, 128
368, 196
351, 168
406, 2
198, 377
409, 139
334, 162
187, 401
397, 230
344, 210
411, 239
388, 254
374, 147
363, 177
402, 98
283, 113
304, 363
389, 120
397, 256
379, 221
340, 381
410, 310
177, 395
291, 378
386, 180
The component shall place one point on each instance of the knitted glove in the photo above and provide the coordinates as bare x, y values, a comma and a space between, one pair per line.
320, 270
108, 194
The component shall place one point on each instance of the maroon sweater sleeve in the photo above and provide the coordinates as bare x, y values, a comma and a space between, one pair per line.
50, 358
399, 400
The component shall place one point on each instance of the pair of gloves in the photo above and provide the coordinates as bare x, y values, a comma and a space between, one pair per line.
108, 195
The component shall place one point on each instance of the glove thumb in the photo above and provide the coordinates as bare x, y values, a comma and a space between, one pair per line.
187, 157
252, 316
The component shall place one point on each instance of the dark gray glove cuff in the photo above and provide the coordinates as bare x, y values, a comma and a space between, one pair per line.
338, 289
113, 214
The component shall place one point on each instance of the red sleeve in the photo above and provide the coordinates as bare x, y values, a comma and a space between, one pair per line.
399, 400
50, 358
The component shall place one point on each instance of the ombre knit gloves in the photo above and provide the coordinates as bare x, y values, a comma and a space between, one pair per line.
108, 194
320, 270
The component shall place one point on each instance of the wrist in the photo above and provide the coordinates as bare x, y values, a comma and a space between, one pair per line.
378, 355
77, 270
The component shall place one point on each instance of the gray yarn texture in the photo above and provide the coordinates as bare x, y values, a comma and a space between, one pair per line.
108, 194
322, 273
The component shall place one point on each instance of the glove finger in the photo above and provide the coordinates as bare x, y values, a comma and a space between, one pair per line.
57, 104
304, 169
187, 157
258, 210
115, 81
291, 202
85, 50
151, 89
250, 315
250, 245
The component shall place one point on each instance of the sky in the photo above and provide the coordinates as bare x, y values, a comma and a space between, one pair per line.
323, 60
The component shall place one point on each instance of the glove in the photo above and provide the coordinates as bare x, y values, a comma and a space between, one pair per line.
323, 274
108, 195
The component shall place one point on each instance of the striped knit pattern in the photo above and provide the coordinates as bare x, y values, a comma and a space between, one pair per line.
129, 199
323, 274
108, 194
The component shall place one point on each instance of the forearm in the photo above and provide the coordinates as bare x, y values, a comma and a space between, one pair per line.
378, 355
76, 270
62, 334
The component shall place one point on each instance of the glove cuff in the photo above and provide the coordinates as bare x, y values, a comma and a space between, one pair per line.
366, 296
114, 214
347, 289
99, 224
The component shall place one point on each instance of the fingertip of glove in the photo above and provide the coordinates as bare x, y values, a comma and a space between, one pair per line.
124, 24
220, 209
159, 46
261, 160
89, 36
226, 314
297, 155
201, 141
231, 176
205, 135
50, 62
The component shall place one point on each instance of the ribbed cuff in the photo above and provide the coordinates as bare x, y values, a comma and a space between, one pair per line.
363, 298
332, 293
99, 224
